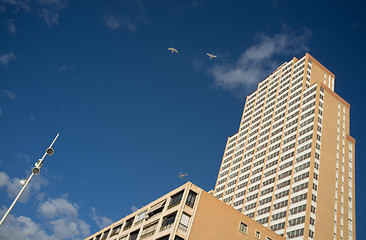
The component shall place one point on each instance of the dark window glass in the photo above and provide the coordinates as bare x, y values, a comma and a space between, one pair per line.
129, 223
191, 198
116, 230
164, 238
105, 235
168, 221
175, 199
133, 235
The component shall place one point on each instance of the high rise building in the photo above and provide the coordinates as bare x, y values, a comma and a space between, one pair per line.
187, 212
291, 164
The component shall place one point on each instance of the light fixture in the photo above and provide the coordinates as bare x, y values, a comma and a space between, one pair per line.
49, 151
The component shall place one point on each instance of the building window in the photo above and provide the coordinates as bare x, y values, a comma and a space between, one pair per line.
128, 223
149, 230
168, 221
257, 234
156, 209
140, 217
191, 198
98, 237
184, 221
268, 238
123, 238
116, 230
243, 228
164, 238
175, 199
133, 235
178, 238
105, 235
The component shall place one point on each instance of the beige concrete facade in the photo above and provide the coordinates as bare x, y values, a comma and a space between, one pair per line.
202, 217
290, 166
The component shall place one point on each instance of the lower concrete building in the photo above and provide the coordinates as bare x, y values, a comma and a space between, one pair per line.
187, 212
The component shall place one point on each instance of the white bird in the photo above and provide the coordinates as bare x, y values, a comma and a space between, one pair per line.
211, 55
173, 50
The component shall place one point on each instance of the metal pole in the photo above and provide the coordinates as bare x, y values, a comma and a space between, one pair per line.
16, 199
25, 185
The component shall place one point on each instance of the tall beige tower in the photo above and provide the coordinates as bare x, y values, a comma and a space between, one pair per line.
291, 164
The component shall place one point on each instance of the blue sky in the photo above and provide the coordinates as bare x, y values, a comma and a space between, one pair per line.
131, 115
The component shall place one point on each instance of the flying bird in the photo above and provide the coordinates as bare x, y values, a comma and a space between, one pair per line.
211, 55
182, 175
173, 50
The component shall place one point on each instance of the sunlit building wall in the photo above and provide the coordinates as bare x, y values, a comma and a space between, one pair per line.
291, 164
187, 212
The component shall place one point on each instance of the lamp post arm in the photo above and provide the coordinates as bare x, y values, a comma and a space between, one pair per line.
38, 165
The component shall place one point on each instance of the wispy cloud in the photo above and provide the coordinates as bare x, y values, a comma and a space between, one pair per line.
258, 61
11, 26
6, 58
48, 10
64, 67
196, 3
1, 111
130, 14
115, 22
101, 221
134, 208
32, 117
7, 93
22, 157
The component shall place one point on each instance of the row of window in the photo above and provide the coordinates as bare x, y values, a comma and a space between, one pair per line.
259, 155
147, 214
244, 229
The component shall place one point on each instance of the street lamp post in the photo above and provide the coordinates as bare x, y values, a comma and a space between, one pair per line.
35, 171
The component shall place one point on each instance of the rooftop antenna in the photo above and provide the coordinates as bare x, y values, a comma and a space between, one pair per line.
35, 171
182, 175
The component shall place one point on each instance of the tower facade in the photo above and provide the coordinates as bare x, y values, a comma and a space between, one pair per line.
291, 164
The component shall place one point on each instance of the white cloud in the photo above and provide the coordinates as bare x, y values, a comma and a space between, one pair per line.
115, 22
66, 228
9, 94
6, 58
13, 186
134, 208
258, 61
58, 207
101, 221
63, 218
4, 178
62, 223
32, 117
21, 228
